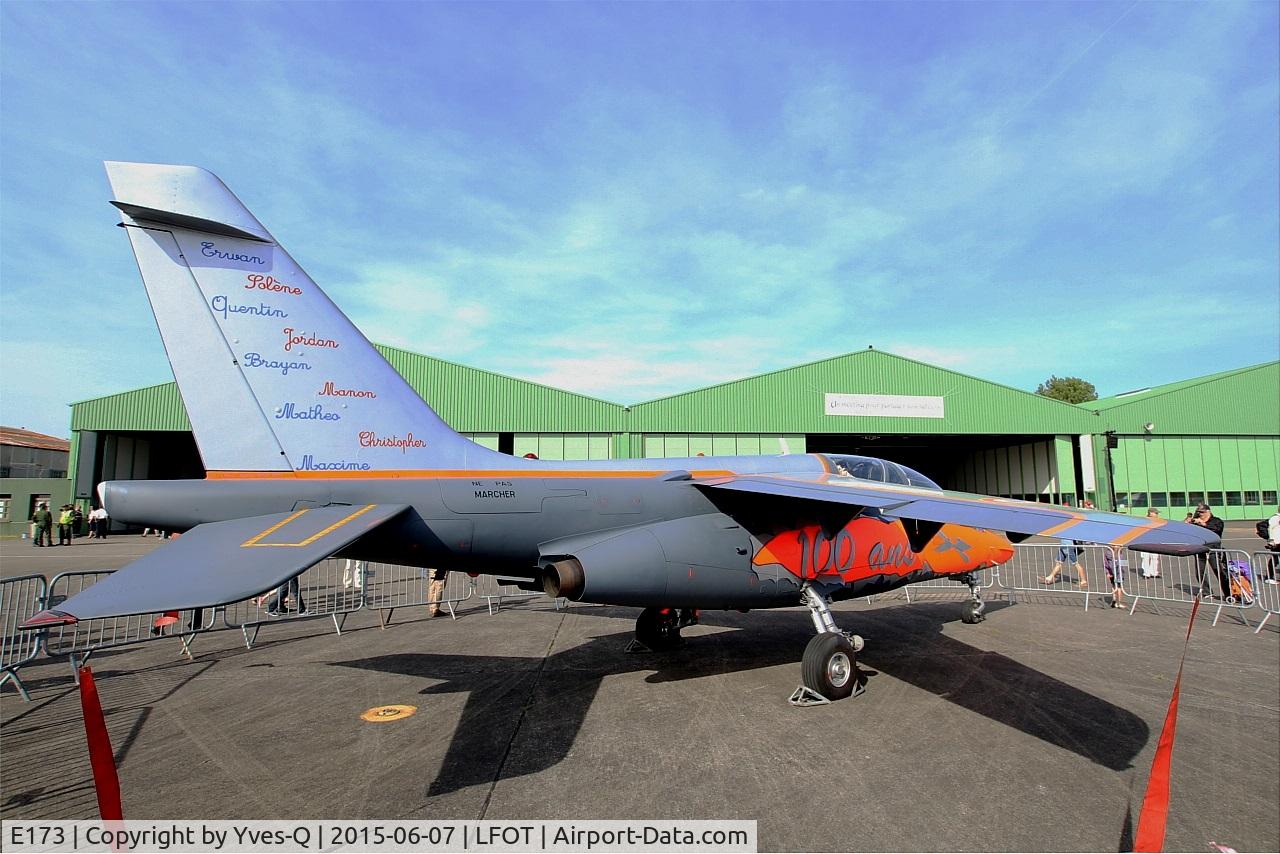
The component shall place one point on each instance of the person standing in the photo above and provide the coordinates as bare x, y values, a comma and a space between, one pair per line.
43, 521
66, 519
98, 523
1203, 516
1151, 561
1113, 561
1273, 546
435, 591
353, 572
290, 590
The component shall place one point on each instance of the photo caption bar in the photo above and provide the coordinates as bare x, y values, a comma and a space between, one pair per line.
285, 837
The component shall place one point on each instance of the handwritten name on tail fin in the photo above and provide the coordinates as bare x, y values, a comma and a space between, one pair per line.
274, 376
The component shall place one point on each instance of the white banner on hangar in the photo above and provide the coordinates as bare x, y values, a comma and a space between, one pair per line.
883, 405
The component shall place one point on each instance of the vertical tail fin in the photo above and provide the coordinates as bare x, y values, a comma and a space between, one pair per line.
274, 377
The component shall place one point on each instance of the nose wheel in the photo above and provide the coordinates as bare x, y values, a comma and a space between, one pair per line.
974, 608
829, 668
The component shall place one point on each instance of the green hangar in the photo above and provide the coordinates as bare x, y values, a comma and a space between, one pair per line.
1214, 438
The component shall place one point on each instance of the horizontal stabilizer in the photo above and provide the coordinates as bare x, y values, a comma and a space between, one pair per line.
221, 562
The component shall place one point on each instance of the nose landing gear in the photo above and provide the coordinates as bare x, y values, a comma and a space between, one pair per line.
973, 609
829, 668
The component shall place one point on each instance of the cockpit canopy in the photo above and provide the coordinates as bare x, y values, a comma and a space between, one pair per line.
882, 471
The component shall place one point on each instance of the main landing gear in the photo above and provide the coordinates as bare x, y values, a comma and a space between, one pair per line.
829, 667
973, 609
658, 629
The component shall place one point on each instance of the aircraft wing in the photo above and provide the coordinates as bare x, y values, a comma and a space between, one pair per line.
977, 511
221, 562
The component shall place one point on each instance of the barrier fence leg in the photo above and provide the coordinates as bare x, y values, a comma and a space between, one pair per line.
338, 623
1265, 617
77, 662
186, 646
12, 676
249, 637
384, 618
452, 614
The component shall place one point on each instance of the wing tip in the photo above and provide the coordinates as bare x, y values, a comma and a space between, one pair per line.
45, 619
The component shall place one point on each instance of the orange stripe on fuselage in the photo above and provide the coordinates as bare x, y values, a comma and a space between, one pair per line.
442, 474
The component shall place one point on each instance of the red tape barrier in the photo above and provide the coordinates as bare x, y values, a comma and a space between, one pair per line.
1155, 804
101, 757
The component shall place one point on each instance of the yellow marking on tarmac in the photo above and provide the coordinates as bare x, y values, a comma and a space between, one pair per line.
254, 541
386, 714
309, 540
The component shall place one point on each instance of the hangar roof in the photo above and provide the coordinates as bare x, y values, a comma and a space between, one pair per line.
1244, 401
793, 400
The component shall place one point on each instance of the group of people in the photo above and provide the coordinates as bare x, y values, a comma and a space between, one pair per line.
69, 519
1114, 563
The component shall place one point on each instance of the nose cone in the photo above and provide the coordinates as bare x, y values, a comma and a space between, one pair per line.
997, 547
1002, 553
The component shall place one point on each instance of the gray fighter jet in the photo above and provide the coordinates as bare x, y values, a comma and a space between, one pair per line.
315, 446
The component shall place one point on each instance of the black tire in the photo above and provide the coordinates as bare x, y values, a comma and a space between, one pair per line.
972, 613
830, 666
658, 630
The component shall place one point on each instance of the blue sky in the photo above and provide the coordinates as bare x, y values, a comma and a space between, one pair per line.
631, 200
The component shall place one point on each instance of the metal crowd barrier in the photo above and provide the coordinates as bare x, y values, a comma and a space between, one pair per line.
319, 591
491, 591
986, 580
80, 640
21, 598
1180, 579
391, 586
1080, 574
1266, 566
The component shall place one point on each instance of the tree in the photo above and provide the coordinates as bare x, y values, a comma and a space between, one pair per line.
1070, 389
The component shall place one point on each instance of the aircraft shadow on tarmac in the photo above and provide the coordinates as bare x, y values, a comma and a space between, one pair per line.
546, 700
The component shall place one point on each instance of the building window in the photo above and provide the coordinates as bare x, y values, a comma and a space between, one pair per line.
1159, 499
5, 502
1252, 496
1235, 499
1140, 499
1177, 499
36, 501
1195, 498
1269, 497
1122, 499
1215, 498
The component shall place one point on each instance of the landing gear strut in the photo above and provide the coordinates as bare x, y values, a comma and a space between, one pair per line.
829, 666
658, 629
973, 609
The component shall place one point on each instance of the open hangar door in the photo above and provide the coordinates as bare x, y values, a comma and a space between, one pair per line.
1031, 467
134, 455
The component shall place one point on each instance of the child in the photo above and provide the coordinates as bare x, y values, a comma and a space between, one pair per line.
1114, 563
